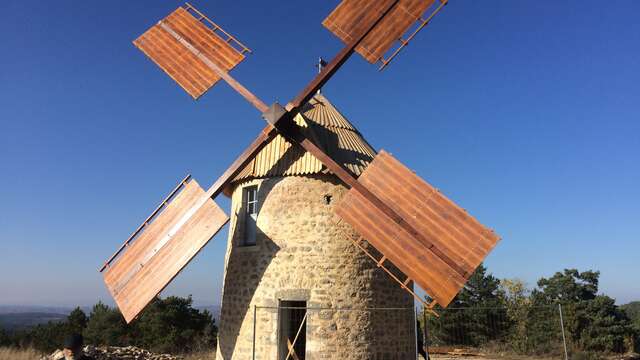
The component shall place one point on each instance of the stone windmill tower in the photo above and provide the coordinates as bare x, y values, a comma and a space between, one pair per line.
312, 204
288, 249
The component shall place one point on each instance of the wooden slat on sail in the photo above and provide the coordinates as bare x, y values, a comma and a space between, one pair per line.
345, 19
448, 244
182, 65
162, 249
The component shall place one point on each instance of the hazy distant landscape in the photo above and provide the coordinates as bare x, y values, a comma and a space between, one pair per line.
476, 200
19, 321
489, 317
21, 317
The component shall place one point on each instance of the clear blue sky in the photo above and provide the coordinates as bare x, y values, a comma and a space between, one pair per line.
526, 113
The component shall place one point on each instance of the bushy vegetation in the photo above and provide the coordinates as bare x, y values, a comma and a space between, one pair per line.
166, 325
471, 327
489, 314
505, 315
632, 310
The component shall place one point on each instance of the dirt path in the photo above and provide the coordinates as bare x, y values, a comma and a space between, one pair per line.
481, 357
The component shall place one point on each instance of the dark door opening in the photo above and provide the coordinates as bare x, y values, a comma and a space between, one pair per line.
292, 322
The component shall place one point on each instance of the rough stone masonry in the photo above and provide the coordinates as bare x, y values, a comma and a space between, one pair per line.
303, 252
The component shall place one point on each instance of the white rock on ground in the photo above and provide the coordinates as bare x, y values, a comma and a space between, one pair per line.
116, 353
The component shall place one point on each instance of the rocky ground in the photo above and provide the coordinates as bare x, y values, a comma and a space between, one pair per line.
116, 353
629, 356
134, 353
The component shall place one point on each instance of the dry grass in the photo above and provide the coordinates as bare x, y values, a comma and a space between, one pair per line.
18, 354
28, 354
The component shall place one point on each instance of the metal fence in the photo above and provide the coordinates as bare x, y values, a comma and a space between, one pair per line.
291, 332
496, 332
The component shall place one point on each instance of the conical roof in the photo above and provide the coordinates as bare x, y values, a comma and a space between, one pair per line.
330, 130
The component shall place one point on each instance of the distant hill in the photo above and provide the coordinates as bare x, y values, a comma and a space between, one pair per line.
633, 310
17, 317
18, 321
18, 309
213, 309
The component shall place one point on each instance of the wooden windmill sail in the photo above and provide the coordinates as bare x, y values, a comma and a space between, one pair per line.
431, 239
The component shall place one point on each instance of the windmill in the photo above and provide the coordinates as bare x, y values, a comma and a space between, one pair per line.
409, 229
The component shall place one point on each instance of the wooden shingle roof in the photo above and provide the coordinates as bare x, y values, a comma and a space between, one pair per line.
322, 122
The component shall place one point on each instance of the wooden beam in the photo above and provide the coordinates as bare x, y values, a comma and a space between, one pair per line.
291, 345
248, 95
293, 108
214, 27
268, 133
146, 222
429, 306
292, 132
423, 23
307, 93
292, 351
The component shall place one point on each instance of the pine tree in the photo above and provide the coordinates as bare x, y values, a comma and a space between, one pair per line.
106, 327
76, 321
476, 315
593, 321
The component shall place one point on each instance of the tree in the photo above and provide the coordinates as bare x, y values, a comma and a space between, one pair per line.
5, 340
515, 296
166, 325
475, 316
77, 321
593, 321
601, 325
106, 327
570, 286
209, 336
46, 337
632, 310
173, 325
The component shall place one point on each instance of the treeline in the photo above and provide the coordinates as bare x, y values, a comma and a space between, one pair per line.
633, 310
489, 314
505, 316
170, 325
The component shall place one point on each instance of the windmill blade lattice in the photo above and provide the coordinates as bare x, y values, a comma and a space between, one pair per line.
161, 43
196, 53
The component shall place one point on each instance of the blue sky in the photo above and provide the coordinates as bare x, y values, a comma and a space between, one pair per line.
526, 114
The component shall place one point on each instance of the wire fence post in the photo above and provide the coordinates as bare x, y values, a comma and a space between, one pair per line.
415, 329
564, 339
253, 347
424, 333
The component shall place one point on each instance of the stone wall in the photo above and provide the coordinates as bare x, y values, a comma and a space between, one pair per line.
304, 252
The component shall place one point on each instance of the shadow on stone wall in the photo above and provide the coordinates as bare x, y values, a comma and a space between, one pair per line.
247, 265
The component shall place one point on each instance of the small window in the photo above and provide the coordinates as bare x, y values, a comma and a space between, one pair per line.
250, 207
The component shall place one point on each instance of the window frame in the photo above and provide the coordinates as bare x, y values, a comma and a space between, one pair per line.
250, 205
